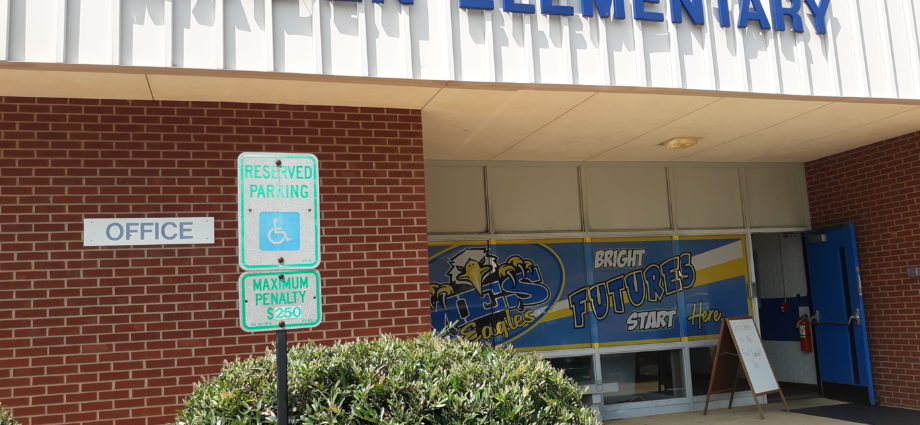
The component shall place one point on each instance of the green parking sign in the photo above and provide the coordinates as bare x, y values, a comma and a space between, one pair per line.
280, 300
279, 211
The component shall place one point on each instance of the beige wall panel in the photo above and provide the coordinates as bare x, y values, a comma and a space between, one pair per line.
456, 199
706, 197
626, 198
534, 198
775, 196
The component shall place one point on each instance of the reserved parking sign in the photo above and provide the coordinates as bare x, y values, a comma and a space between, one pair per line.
279, 211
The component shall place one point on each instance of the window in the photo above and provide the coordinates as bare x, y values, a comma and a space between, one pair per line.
701, 370
581, 368
646, 376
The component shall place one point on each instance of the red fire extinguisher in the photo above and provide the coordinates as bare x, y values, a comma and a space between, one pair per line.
804, 334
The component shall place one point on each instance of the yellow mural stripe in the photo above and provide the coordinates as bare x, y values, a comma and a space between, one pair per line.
709, 237
554, 315
615, 343
535, 241
720, 272
554, 347
632, 239
701, 337
644, 341
596, 345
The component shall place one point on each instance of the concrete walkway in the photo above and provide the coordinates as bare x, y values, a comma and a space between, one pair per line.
743, 415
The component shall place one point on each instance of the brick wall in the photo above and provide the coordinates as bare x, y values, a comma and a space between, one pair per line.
103, 335
878, 188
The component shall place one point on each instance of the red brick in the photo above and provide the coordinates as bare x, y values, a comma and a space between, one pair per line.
133, 328
877, 187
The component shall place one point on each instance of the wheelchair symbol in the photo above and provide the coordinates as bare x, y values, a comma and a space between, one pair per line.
277, 230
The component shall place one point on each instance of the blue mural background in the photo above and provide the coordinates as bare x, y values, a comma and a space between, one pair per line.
575, 293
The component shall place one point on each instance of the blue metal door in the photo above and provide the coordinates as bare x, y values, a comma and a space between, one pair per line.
838, 316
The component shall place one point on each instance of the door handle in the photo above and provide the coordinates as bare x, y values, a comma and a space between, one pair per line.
855, 316
816, 319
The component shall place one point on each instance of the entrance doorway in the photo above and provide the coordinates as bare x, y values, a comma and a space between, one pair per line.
838, 317
783, 298
813, 278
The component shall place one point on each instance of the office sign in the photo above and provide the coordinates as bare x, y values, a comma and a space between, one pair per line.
273, 300
279, 211
148, 231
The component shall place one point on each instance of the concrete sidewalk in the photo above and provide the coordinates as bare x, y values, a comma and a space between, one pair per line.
743, 415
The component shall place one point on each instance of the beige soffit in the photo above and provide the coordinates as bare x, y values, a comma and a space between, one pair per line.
534, 122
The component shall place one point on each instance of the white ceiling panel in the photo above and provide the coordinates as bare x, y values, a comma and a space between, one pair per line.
482, 124
894, 126
603, 122
718, 123
826, 121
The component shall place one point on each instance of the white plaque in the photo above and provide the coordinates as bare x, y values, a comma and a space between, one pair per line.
279, 300
148, 231
279, 211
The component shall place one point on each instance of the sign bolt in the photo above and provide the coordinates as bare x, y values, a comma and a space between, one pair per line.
281, 324
280, 260
278, 163
281, 277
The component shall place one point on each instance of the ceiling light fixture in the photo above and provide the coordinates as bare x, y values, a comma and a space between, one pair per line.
681, 142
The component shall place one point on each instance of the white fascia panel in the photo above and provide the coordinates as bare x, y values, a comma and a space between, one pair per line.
871, 49
196, 37
34, 30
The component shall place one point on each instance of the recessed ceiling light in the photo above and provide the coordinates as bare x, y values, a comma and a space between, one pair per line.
680, 142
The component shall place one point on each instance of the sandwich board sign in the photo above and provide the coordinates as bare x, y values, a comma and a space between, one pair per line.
739, 345
276, 301
279, 211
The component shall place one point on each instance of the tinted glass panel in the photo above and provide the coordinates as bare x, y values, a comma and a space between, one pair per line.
581, 368
701, 370
647, 376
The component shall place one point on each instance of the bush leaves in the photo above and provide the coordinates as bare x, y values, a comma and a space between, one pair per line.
388, 381
6, 418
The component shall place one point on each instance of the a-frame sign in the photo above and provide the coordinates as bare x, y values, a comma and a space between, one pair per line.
739, 344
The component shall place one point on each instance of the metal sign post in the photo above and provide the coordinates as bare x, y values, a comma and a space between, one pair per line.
279, 231
281, 374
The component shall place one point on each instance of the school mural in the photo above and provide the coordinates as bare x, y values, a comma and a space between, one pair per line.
576, 293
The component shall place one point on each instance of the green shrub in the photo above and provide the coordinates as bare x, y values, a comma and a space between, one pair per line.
426, 380
6, 418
